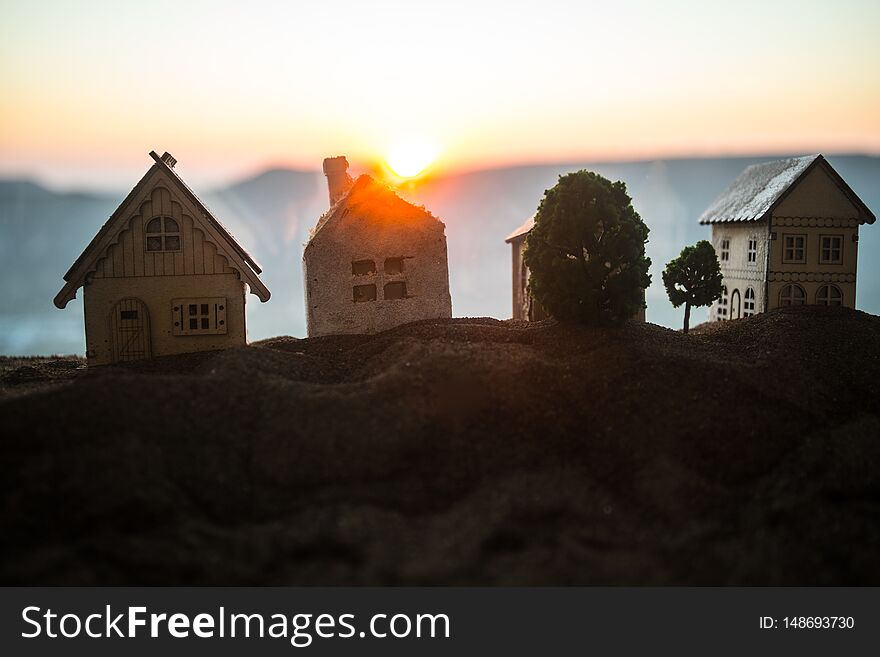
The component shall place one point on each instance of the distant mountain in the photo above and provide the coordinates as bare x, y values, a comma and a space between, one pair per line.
44, 231
41, 234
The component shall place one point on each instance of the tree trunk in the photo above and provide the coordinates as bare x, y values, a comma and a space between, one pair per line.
687, 315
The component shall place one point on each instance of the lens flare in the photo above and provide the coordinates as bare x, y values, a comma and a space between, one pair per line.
410, 158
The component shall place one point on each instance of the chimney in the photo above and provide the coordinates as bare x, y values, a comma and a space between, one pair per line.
338, 180
168, 159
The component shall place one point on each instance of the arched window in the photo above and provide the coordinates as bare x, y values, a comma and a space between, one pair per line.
792, 295
162, 234
829, 295
721, 307
749, 302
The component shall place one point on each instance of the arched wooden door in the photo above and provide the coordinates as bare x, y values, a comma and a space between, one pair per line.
735, 305
130, 330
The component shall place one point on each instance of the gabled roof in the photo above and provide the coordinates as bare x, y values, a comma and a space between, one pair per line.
527, 225
75, 276
207, 213
369, 197
761, 187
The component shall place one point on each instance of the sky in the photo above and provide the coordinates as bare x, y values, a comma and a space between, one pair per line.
88, 87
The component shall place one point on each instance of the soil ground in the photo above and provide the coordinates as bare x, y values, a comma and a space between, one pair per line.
464, 451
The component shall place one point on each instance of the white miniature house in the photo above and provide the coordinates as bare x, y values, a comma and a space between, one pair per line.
786, 233
162, 276
373, 260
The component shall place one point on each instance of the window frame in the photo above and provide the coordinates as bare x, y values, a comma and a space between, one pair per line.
385, 287
723, 303
163, 235
394, 259
364, 286
792, 286
752, 251
367, 264
839, 260
724, 250
367, 278
802, 249
826, 300
215, 315
749, 300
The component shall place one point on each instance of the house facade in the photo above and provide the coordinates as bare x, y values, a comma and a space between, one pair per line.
162, 276
786, 233
525, 306
373, 261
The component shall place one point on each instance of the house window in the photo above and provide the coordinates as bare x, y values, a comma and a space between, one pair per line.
202, 316
721, 308
749, 302
393, 266
829, 295
396, 290
725, 249
363, 267
753, 251
792, 295
831, 249
794, 248
362, 293
162, 234
128, 315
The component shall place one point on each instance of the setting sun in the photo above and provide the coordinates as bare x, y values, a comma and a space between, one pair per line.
410, 158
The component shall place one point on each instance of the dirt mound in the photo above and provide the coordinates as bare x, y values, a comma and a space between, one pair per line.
461, 451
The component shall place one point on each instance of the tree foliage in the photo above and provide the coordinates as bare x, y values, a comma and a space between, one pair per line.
586, 251
693, 278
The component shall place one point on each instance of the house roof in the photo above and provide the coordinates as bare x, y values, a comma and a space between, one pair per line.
761, 187
75, 276
207, 213
527, 225
370, 197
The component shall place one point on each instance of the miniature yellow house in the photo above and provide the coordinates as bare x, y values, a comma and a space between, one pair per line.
524, 305
162, 276
373, 260
786, 233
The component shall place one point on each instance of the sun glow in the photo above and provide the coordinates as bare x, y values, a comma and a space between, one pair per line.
411, 157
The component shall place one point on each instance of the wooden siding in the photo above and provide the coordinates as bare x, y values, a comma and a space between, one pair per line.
128, 257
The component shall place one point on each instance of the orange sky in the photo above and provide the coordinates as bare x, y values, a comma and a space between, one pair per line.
88, 87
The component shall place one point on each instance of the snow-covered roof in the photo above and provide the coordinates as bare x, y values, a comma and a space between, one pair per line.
756, 190
527, 225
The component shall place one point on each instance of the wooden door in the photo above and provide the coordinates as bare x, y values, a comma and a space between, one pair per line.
130, 330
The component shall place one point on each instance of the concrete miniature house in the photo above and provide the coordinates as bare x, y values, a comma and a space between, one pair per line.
162, 276
786, 233
524, 305
373, 261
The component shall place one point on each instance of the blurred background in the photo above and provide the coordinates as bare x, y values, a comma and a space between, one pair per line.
470, 108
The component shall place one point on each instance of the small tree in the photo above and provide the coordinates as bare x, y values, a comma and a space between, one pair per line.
586, 251
693, 278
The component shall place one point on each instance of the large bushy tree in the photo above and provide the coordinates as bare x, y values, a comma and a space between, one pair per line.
586, 251
693, 278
